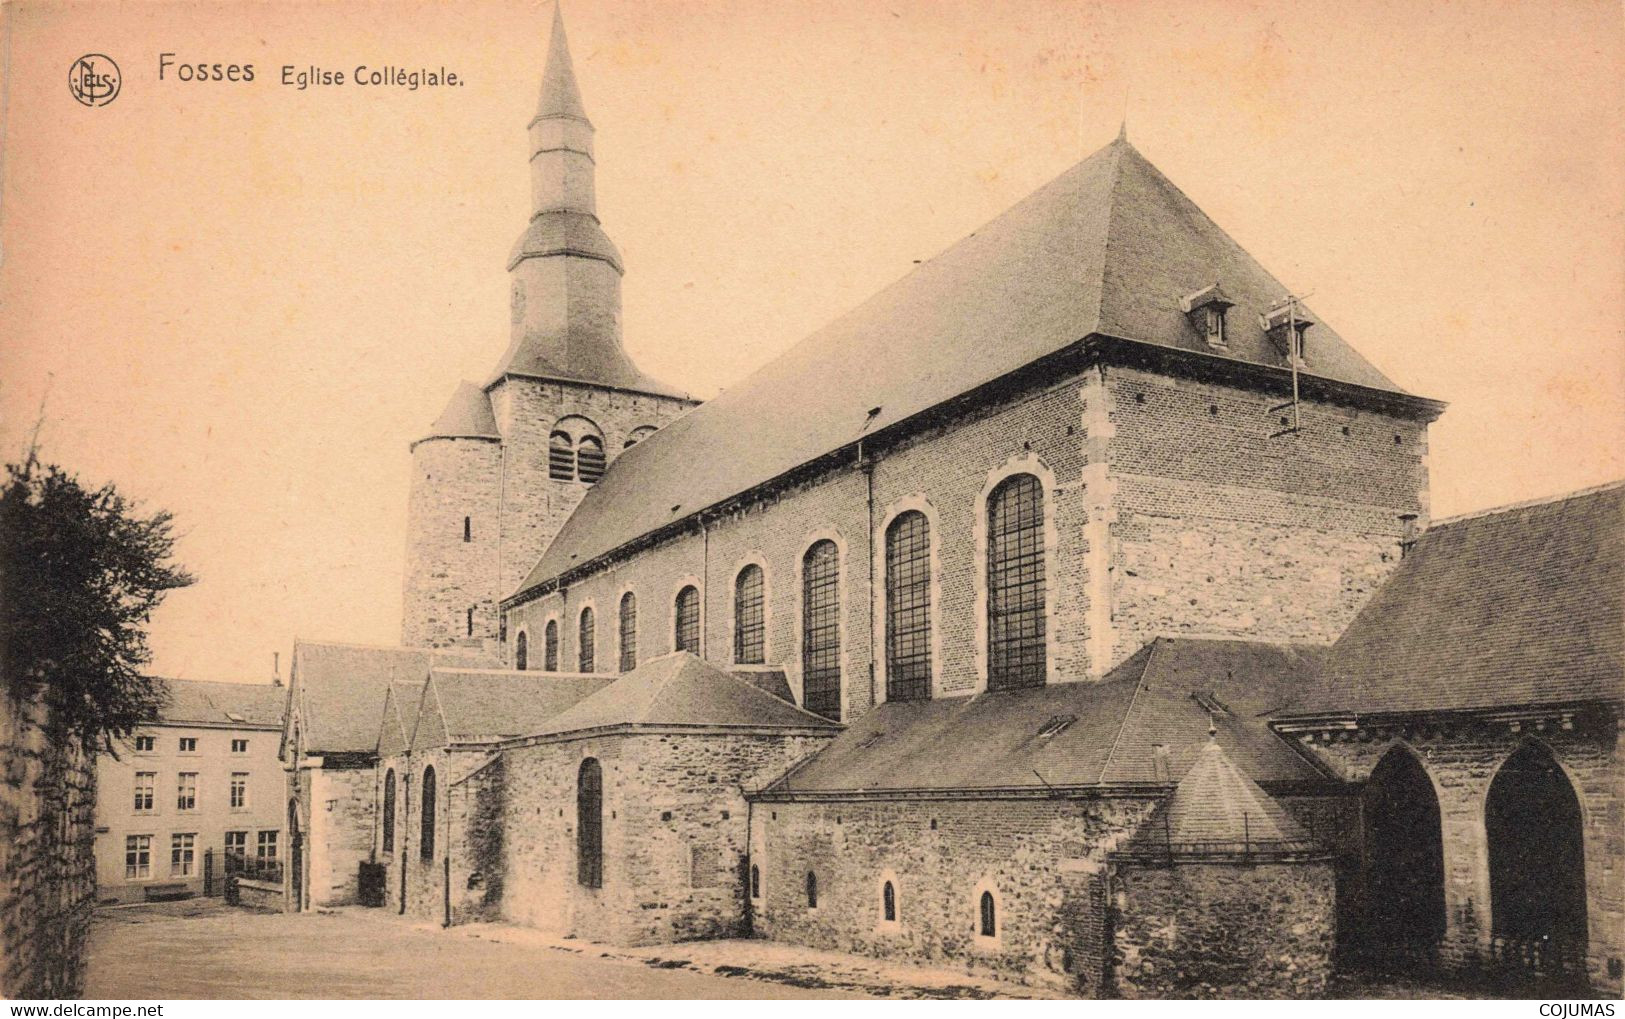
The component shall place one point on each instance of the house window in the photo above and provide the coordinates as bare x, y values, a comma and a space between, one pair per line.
888, 903
812, 890
137, 856
590, 458
1215, 324
989, 919
629, 632
468, 529
755, 881
144, 783
426, 808
749, 624
265, 846
237, 844
1015, 584
145, 744
908, 608
550, 646
186, 791
239, 790
561, 457
188, 744
239, 746
688, 619
821, 630
590, 824
588, 632
389, 811
521, 651
183, 855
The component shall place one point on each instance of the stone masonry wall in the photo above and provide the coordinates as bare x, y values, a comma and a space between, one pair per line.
341, 832
47, 804
1043, 860
1219, 930
1462, 761
445, 575
675, 831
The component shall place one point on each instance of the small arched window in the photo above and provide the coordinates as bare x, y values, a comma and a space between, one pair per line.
755, 881
888, 903
521, 651
1015, 584
638, 435
389, 811
471, 620
688, 620
590, 459
749, 620
990, 919
629, 632
821, 630
908, 608
426, 799
812, 890
575, 450
468, 529
550, 646
561, 457
590, 824
587, 634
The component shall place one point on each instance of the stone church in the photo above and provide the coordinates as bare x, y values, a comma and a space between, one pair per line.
1069, 611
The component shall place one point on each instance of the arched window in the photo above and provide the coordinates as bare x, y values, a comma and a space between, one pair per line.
629, 632
389, 811
749, 625
638, 435
1015, 584
908, 608
688, 620
812, 890
561, 457
521, 651
590, 824
990, 918
821, 630
590, 458
755, 881
426, 801
1536, 837
550, 646
888, 903
587, 634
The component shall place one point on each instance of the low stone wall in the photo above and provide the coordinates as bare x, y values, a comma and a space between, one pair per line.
260, 896
1222, 929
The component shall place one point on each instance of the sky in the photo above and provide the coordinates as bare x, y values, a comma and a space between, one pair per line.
240, 301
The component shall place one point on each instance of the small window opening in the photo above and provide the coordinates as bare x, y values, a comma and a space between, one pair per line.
1206, 310
561, 457
888, 905
755, 881
470, 623
990, 919
590, 459
468, 529
812, 890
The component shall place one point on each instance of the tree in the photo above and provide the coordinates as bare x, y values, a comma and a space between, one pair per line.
80, 574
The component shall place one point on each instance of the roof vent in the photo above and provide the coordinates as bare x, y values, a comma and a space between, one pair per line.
870, 740
234, 716
1055, 726
1206, 310
1211, 704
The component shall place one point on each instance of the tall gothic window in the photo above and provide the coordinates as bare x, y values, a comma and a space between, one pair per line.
587, 644
749, 624
426, 808
550, 646
590, 824
629, 632
389, 811
908, 607
821, 630
1015, 584
688, 620
521, 650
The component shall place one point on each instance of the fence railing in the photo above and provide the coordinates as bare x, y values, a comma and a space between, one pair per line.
253, 868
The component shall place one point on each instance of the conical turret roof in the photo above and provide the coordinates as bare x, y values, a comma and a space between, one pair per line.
467, 415
1217, 808
561, 96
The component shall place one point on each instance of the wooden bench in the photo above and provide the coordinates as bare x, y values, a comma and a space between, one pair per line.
163, 893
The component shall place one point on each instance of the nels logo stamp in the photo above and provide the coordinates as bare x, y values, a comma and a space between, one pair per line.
94, 79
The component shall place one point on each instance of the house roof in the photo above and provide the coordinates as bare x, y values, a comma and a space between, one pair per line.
487, 705
1144, 724
1216, 806
249, 705
681, 690
401, 702
1109, 248
1521, 606
341, 688
467, 415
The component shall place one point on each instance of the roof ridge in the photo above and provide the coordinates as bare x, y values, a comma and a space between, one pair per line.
1511, 507
1122, 724
1116, 149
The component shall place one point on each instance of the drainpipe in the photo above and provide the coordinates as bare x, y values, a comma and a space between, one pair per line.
705, 589
868, 469
446, 848
405, 813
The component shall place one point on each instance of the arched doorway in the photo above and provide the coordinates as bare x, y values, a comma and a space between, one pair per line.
1403, 915
1536, 840
296, 859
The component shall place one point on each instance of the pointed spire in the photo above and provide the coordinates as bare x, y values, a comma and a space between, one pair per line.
561, 97
1122, 130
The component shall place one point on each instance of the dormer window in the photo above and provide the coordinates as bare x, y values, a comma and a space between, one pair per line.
1285, 325
1206, 309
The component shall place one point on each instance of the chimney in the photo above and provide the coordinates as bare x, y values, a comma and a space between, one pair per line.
276, 668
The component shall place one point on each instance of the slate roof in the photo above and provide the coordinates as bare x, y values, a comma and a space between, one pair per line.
488, 706
467, 415
1521, 606
401, 702
341, 688
249, 705
1216, 807
1165, 695
681, 690
1109, 248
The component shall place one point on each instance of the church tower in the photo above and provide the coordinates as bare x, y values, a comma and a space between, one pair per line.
508, 461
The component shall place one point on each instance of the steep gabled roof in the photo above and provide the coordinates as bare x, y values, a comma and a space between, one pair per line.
1144, 724
491, 705
681, 690
248, 705
1109, 248
401, 702
341, 687
1522, 606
